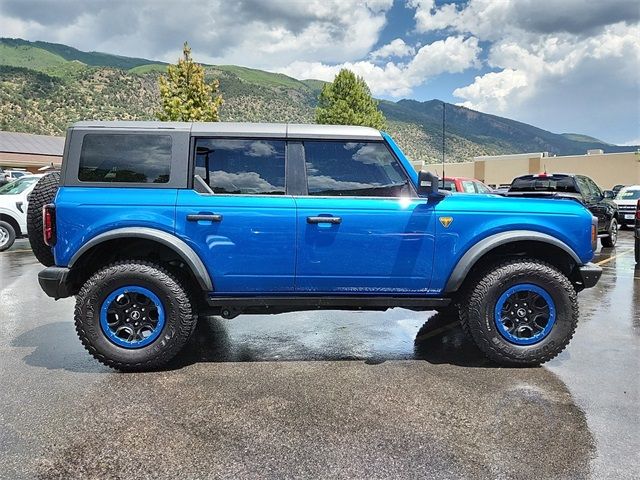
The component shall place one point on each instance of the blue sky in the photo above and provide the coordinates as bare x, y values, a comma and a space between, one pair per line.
562, 65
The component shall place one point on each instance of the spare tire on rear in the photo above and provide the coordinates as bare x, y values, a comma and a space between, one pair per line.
43, 194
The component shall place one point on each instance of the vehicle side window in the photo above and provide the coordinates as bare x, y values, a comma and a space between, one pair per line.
353, 169
481, 188
242, 166
127, 158
595, 189
583, 185
449, 185
468, 187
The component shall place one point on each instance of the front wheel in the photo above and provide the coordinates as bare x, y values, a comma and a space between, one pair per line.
7, 236
521, 312
134, 315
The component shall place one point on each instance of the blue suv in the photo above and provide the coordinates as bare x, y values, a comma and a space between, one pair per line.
151, 224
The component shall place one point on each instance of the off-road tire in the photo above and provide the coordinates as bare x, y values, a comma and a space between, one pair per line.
11, 235
612, 235
43, 193
180, 315
477, 311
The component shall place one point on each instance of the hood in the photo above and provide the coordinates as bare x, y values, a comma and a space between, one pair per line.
626, 203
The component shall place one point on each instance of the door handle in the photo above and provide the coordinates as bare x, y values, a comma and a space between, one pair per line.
209, 217
333, 220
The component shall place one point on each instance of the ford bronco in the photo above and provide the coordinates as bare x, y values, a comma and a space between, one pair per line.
151, 224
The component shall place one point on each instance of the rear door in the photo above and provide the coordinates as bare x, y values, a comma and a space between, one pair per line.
361, 228
244, 230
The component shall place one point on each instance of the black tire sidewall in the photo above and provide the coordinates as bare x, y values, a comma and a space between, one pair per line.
484, 329
42, 194
12, 235
168, 343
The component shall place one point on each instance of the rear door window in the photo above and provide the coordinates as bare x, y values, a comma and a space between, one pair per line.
242, 166
338, 168
126, 158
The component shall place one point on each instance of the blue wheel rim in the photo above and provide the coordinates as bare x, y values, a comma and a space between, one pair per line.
525, 314
132, 316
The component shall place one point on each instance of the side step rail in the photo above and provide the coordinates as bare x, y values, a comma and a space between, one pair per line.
230, 307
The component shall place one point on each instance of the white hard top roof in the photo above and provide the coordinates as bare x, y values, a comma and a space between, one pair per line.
239, 129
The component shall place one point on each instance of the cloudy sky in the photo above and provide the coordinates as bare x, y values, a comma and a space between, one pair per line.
563, 65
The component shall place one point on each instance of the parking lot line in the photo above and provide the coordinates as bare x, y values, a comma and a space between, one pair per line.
607, 260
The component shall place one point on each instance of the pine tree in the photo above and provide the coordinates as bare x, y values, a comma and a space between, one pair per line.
185, 95
348, 101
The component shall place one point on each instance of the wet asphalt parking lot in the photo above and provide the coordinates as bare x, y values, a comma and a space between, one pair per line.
361, 395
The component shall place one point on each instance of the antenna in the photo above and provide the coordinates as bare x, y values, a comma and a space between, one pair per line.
443, 123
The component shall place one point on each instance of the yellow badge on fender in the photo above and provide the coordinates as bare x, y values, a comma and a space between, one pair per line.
446, 221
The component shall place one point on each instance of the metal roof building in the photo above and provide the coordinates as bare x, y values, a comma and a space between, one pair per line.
30, 152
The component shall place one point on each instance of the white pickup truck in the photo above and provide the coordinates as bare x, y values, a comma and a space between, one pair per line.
13, 209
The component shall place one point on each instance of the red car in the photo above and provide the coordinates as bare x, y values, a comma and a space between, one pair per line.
465, 185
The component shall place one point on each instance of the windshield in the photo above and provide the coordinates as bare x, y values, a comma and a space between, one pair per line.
628, 194
19, 186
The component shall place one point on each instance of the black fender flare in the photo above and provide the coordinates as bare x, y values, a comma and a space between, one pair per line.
190, 257
477, 251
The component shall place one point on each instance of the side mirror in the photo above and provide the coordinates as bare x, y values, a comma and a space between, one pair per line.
609, 194
428, 184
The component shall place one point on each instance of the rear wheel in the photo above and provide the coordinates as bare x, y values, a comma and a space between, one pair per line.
7, 236
637, 250
134, 315
43, 193
612, 235
520, 312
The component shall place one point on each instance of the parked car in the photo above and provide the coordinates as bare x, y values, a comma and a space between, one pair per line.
231, 219
617, 188
627, 200
13, 209
464, 185
12, 175
575, 187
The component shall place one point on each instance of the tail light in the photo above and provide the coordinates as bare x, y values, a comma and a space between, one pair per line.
638, 211
49, 224
594, 233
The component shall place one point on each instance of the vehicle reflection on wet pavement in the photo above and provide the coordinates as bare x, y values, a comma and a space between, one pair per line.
394, 394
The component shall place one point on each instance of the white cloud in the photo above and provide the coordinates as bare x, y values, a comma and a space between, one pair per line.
565, 82
396, 48
246, 32
454, 54
567, 65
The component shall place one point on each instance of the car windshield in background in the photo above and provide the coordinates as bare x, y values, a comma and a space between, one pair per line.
628, 194
544, 184
19, 186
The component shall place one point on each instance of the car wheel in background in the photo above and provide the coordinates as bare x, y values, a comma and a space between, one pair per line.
43, 193
612, 235
7, 236
637, 250
521, 312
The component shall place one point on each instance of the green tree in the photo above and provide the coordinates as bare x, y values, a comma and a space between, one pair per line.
348, 101
185, 95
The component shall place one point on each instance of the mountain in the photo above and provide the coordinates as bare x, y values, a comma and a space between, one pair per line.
46, 86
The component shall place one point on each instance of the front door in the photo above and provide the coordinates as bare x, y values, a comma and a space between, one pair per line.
361, 229
244, 229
